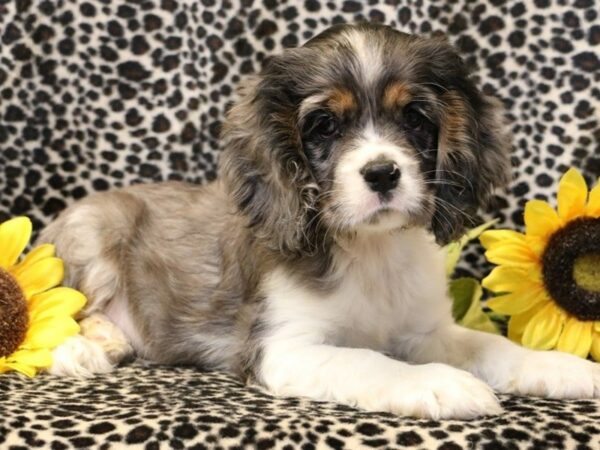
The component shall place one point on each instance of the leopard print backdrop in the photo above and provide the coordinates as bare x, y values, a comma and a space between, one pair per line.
99, 94
174, 408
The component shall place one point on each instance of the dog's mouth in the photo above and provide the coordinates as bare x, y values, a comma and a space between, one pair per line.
385, 218
381, 214
389, 216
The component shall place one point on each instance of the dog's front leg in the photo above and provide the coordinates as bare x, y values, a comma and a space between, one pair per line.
372, 381
504, 365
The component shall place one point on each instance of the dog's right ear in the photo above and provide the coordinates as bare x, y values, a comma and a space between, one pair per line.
262, 164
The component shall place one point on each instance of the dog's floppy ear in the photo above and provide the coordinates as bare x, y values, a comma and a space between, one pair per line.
262, 164
473, 145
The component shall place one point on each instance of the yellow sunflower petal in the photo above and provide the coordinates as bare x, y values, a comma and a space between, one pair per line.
40, 276
510, 279
514, 255
492, 238
572, 195
517, 302
518, 322
57, 302
543, 330
14, 236
41, 357
22, 368
597, 326
38, 253
540, 219
576, 338
595, 349
537, 245
48, 333
593, 206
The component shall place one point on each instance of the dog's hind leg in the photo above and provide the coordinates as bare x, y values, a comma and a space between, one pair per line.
88, 241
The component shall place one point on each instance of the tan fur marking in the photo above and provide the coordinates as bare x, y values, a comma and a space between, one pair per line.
342, 101
396, 94
454, 121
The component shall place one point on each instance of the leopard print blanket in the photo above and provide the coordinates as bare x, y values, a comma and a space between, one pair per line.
165, 407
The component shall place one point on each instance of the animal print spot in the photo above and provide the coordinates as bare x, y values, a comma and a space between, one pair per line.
587, 61
265, 28
408, 439
152, 22
14, 114
139, 45
133, 71
21, 52
138, 435
492, 24
161, 124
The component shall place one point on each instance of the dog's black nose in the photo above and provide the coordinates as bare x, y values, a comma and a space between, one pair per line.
381, 176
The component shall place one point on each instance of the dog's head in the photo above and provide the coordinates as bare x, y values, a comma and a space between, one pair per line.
362, 128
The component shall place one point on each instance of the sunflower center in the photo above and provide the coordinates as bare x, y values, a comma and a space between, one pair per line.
13, 314
571, 268
586, 272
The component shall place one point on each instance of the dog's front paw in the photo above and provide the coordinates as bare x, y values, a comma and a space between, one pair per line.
556, 375
438, 391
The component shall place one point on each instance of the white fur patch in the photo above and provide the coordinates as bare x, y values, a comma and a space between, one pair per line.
79, 357
357, 201
368, 55
331, 346
97, 349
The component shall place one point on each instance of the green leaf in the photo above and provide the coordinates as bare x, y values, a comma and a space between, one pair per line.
454, 249
462, 291
466, 306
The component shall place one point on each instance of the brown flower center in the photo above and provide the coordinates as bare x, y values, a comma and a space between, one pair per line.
14, 318
570, 268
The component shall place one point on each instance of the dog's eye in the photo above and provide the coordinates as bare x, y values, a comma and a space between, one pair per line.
327, 127
413, 119
321, 124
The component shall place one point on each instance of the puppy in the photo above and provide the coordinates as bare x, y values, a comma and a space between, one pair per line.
310, 266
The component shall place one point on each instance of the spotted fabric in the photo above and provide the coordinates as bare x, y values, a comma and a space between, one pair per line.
99, 94
166, 407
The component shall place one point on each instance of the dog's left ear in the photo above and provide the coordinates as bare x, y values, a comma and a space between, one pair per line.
473, 145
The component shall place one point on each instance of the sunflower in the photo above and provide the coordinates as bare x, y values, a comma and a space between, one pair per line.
35, 316
549, 277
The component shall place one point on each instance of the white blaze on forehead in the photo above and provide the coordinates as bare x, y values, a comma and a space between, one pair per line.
370, 133
368, 54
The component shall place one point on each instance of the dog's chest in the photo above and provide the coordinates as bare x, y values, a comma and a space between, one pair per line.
377, 292
372, 300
